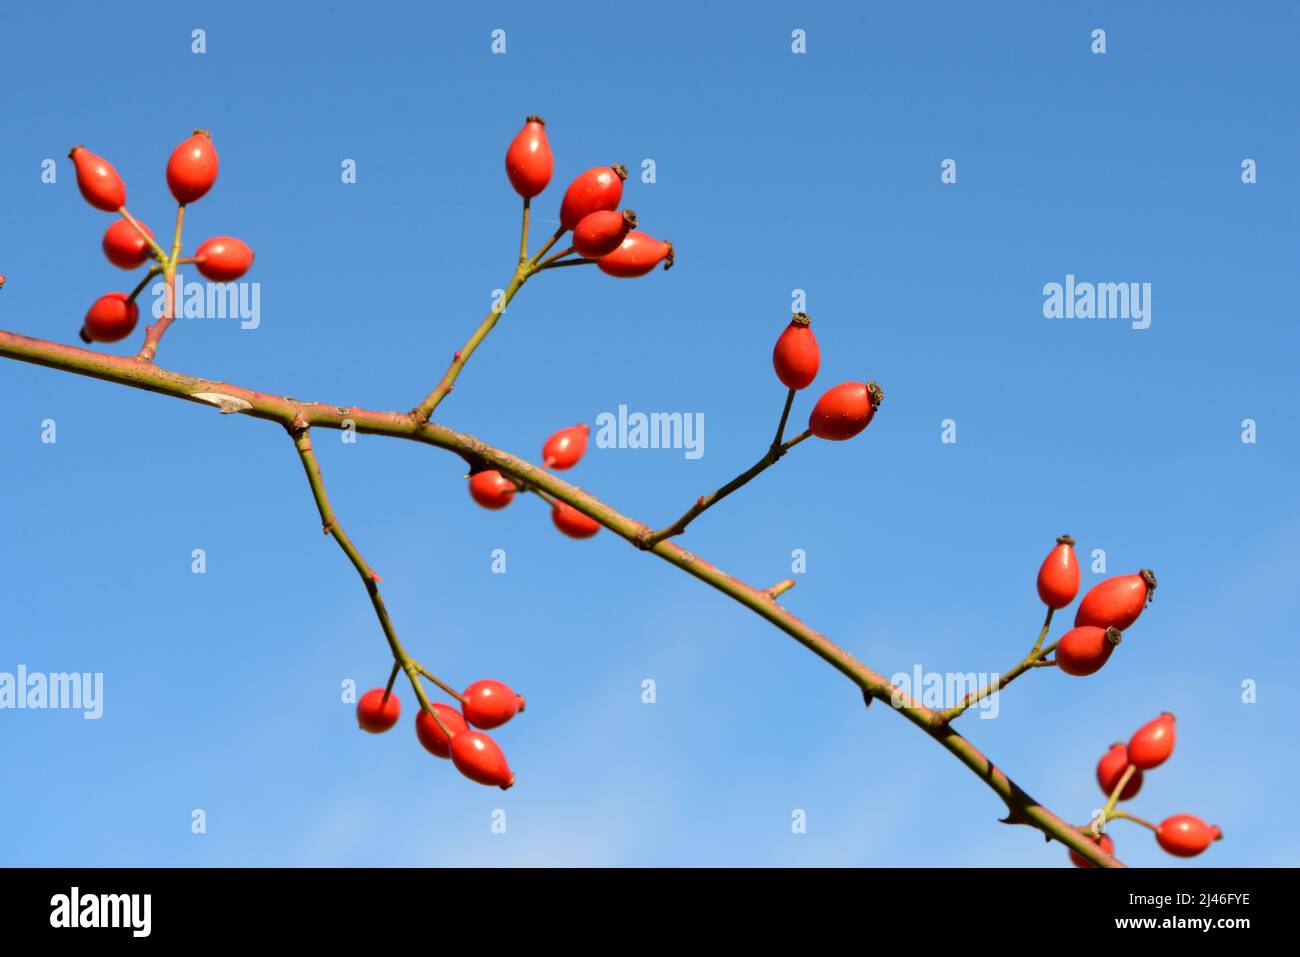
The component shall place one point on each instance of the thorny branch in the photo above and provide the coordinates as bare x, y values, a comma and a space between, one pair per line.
298, 417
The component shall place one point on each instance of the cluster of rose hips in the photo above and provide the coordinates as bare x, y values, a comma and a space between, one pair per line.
445, 732
843, 411
562, 450
1105, 613
601, 233
1120, 770
129, 243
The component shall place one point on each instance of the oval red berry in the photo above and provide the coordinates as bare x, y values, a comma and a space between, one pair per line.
529, 162
1058, 578
572, 522
1116, 602
489, 704
1083, 651
377, 714
192, 168
637, 255
845, 410
600, 187
110, 318
563, 449
98, 181
1185, 835
480, 759
796, 356
1153, 743
223, 258
1111, 768
491, 489
1104, 842
124, 246
431, 736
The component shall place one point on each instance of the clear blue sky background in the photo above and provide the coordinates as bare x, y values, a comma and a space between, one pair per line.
775, 172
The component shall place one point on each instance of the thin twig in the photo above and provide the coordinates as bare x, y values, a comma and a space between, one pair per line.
302, 441
705, 502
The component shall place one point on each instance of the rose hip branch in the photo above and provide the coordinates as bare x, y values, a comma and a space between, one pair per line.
605, 236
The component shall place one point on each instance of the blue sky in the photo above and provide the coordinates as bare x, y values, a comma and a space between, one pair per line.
775, 172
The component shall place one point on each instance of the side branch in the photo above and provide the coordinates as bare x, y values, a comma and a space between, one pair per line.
302, 442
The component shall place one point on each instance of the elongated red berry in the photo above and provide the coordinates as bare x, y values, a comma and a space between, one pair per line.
1152, 743
1082, 651
124, 246
563, 449
491, 489
1058, 578
1117, 602
431, 736
489, 704
600, 187
377, 714
1111, 768
192, 168
572, 522
1184, 835
845, 410
600, 233
110, 318
637, 255
223, 258
98, 181
1104, 842
480, 759
529, 162
796, 357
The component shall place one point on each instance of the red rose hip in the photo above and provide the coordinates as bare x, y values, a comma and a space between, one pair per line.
1058, 578
1104, 842
602, 232
563, 449
110, 318
431, 736
1117, 602
845, 410
1083, 651
98, 181
600, 187
796, 357
1153, 743
124, 246
375, 714
223, 258
489, 704
637, 255
480, 759
1111, 768
529, 161
192, 168
491, 489
572, 522
1184, 835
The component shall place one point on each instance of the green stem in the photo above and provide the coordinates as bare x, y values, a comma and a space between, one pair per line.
1032, 660
1125, 816
785, 415
153, 271
1109, 810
